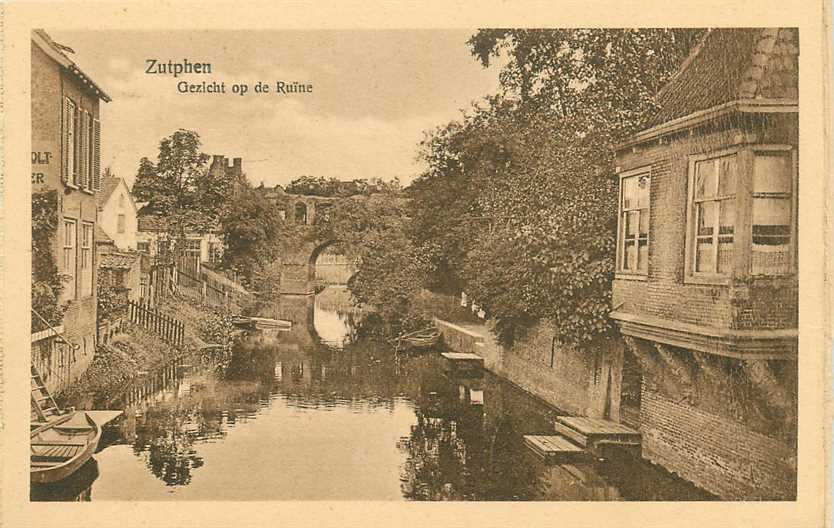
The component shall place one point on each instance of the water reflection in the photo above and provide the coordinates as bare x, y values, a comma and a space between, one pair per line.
307, 415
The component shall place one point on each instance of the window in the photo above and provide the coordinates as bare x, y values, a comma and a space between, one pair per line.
714, 209
86, 259
215, 253
143, 247
772, 213
121, 200
120, 223
633, 244
741, 214
68, 259
192, 246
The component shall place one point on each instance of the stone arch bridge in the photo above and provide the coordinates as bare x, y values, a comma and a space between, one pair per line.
298, 268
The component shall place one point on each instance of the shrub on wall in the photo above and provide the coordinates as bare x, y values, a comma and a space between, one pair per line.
46, 282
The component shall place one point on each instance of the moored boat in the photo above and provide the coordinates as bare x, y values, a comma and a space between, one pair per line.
60, 447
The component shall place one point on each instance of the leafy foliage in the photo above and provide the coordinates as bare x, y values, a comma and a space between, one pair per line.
179, 187
313, 186
46, 281
390, 267
251, 229
517, 206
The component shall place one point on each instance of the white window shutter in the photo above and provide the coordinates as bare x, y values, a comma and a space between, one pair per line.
96, 155
82, 142
66, 170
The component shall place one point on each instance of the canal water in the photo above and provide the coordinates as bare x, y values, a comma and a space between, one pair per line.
321, 413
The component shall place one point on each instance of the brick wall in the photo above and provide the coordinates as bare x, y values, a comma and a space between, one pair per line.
729, 426
760, 303
715, 453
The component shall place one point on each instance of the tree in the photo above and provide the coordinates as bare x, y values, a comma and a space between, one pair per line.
179, 188
610, 75
517, 206
251, 230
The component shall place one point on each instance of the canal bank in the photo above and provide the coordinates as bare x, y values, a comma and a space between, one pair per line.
684, 427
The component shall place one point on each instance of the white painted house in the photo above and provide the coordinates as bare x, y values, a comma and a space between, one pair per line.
117, 212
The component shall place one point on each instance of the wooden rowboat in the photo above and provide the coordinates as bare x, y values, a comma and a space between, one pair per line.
261, 322
417, 340
60, 447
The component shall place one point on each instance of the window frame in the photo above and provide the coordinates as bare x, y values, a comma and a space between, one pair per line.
698, 277
87, 264
73, 251
621, 273
794, 203
742, 262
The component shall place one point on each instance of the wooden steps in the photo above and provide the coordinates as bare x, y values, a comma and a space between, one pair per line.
555, 449
458, 361
596, 433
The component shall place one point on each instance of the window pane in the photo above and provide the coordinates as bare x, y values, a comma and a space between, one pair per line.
772, 173
643, 186
725, 254
643, 254
706, 218
630, 256
727, 176
770, 259
771, 212
705, 179
632, 223
644, 223
726, 217
704, 255
629, 193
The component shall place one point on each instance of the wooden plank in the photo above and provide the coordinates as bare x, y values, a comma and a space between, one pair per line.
572, 434
554, 448
461, 356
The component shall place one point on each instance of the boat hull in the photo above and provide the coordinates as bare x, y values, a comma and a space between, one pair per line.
40, 474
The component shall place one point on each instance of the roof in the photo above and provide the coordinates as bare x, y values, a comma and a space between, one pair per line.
117, 260
102, 237
108, 185
56, 53
151, 222
731, 65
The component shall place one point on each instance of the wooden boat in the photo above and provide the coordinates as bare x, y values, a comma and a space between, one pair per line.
418, 340
261, 322
60, 447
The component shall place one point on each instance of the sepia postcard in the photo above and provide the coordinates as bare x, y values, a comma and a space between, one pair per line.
313, 264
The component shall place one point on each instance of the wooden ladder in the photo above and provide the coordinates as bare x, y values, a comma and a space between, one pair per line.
43, 404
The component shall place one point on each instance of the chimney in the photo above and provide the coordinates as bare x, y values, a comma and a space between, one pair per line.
237, 166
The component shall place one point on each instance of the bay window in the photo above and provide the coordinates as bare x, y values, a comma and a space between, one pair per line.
633, 235
741, 218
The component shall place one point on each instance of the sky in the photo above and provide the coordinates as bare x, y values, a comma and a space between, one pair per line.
374, 94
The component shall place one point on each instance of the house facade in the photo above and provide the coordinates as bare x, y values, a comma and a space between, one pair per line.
705, 290
66, 159
117, 212
153, 239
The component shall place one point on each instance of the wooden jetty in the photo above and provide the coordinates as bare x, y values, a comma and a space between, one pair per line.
458, 361
555, 449
595, 433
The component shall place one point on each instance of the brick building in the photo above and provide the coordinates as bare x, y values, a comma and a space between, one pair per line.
705, 290
66, 159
